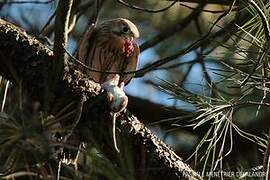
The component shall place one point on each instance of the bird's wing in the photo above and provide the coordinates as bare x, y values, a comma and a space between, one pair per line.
85, 43
87, 51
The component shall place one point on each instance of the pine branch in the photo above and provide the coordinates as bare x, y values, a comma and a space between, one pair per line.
24, 58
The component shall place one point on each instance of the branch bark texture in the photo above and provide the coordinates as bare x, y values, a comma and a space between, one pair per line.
23, 58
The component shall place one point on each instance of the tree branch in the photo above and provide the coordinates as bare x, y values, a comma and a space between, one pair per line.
145, 9
29, 61
220, 2
61, 36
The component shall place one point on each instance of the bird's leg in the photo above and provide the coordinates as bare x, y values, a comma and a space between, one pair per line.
117, 100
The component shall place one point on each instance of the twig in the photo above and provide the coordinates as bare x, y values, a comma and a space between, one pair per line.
28, 2
207, 10
19, 174
5, 96
176, 65
98, 8
47, 23
266, 155
59, 170
77, 117
78, 12
220, 2
172, 30
268, 168
145, 9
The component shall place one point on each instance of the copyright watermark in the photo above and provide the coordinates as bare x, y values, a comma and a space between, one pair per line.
235, 174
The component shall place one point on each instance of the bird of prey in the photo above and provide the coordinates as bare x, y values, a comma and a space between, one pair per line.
110, 47
106, 48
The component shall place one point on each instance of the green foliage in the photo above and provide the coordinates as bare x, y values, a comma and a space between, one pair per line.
242, 89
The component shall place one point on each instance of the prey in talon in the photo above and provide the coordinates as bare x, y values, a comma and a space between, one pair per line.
117, 100
116, 96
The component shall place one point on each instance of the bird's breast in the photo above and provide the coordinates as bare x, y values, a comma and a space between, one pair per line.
116, 45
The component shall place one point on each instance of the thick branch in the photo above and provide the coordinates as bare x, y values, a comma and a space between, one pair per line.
30, 61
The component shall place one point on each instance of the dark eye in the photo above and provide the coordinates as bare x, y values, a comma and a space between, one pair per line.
125, 30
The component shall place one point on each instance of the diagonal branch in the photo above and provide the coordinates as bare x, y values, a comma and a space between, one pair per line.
32, 61
220, 2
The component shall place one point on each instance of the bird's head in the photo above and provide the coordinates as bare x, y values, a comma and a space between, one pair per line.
124, 29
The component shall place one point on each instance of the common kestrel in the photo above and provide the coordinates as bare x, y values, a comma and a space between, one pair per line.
110, 47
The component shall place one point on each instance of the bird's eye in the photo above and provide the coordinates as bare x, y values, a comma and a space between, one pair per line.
125, 30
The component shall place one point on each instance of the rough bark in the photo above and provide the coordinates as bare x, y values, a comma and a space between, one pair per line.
24, 60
